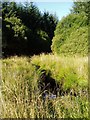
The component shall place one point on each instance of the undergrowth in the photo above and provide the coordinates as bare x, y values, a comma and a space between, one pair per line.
20, 96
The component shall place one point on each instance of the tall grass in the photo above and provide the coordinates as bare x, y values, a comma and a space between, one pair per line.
70, 70
20, 96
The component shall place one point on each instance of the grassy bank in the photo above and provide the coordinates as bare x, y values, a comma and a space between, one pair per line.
21, 98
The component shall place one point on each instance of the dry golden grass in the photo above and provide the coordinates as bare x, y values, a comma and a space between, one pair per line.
20, 96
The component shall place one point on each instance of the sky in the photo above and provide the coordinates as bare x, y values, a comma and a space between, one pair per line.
59, 7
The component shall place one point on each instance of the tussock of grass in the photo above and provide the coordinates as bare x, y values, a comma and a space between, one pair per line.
20, 96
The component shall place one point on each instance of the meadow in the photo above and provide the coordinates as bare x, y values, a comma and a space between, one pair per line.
20, 96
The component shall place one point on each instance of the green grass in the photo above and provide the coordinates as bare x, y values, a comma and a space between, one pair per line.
72, 71
20, 96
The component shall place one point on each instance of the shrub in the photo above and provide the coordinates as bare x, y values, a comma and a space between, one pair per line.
71, 35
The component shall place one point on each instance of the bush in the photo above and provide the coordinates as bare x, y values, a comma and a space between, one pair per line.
71, 35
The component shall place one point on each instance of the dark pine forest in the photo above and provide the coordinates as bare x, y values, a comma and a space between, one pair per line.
25, 30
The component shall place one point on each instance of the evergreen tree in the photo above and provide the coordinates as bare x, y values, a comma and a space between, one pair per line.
25, 29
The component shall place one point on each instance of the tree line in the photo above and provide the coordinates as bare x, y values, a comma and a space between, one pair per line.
25, 30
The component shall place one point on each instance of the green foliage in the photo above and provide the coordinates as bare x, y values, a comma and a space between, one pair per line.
79, 7
71, 35
16, 26
77, 43
48, 23
23, 23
